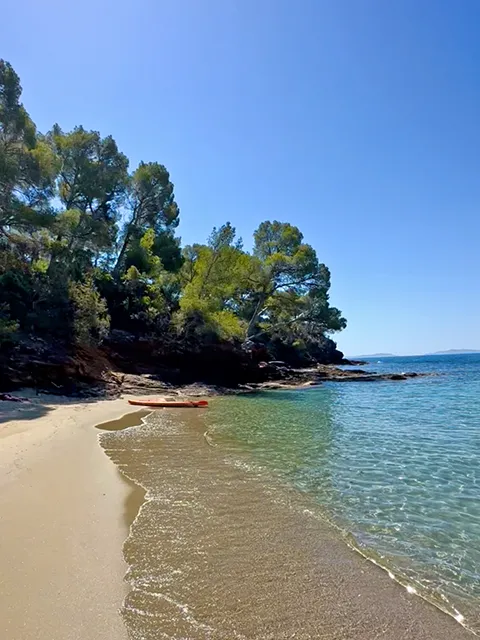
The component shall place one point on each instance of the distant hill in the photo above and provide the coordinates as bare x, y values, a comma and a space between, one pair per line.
376, 355
453, 352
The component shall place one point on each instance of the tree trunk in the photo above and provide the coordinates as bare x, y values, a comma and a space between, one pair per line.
256, 313
123, 250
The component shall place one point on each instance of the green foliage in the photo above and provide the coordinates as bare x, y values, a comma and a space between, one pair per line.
214, 278
91, 321
151, 197
91, 185
8, 327
276, 238
85, 246
291, 294
27, 165
93, 173
150, 205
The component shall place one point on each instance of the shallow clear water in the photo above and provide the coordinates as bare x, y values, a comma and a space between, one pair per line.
395, 464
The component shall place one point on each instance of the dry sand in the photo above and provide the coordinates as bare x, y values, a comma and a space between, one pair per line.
62, 523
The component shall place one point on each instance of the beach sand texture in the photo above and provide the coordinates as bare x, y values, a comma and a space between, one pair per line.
62, 524
216, 554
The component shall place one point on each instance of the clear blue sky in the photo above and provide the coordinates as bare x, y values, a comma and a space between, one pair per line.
357, 120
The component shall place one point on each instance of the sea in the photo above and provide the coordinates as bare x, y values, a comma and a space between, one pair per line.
393, 467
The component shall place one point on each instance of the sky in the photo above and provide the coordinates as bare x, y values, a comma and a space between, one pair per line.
356, 120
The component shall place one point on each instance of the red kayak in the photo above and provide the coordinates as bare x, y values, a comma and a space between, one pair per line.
170, 403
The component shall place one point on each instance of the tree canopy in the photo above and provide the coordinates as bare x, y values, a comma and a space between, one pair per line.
88, 245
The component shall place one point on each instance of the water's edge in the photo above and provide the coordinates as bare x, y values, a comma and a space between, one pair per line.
369, 554
136, 419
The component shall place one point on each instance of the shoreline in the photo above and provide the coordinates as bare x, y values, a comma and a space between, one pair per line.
269, 376
52, 586
387, 607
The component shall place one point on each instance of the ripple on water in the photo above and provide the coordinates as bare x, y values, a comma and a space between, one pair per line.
396, 465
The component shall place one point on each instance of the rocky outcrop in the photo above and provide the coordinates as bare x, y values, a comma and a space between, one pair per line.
125, 364
302, 378
49, 366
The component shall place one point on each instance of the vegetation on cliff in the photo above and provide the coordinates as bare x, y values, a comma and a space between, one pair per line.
89, 255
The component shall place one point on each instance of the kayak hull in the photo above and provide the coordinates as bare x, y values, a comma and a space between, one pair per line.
182, 404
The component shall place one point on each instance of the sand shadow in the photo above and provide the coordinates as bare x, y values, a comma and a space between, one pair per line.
37, 404
12, 411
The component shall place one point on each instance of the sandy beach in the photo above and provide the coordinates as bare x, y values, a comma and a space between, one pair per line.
247, 565
62, 523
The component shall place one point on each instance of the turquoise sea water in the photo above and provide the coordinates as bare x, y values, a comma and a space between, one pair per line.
396, 465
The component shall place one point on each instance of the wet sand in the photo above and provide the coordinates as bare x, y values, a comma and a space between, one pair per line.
218, 552
64, 516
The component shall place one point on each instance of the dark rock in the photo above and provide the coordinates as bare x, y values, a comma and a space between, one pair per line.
279, 363
117, 336
125, 364
7, 397
361, 372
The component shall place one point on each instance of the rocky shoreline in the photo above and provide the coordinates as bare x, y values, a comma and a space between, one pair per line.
280, 377
102, 373
115, 369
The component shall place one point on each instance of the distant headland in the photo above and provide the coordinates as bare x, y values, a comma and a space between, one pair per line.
451, 352
377, 355
447, 352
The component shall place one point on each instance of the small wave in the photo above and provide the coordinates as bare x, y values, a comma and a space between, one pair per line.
175, 532
182, 608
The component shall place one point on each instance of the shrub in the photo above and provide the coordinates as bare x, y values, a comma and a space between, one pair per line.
8, 327
91, 321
